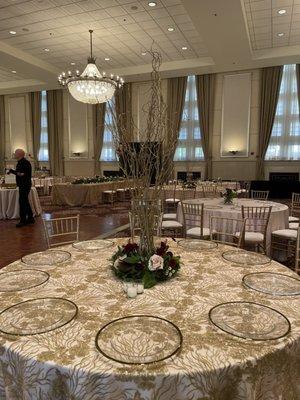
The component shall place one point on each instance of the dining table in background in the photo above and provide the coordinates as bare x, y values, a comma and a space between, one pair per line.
279, 218
9, 203
65, 363
82, 194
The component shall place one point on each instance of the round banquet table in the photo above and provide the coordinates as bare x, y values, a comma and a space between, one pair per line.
279, 218
65, 364
9, 203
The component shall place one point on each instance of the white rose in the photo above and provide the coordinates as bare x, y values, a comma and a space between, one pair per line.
155, 262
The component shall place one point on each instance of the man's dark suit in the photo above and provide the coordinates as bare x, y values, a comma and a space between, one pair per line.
23, 179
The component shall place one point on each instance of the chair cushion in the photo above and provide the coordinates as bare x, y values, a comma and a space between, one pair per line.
171, 224
121, 190
293, 219
109, 191
294, 225
286, 233
197, 232
252, 237
169, 216
172, 200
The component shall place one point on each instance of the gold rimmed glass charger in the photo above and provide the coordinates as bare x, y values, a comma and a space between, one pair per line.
15, 281
48, 257
93, 245
139, 339
196, 244
212, 207
246, 258
37, 316
248, 320
273, 283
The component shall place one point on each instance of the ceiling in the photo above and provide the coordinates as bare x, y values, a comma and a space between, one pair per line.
219, 35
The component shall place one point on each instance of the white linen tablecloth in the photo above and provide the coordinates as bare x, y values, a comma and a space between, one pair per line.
9, 203
46, 183
279, 218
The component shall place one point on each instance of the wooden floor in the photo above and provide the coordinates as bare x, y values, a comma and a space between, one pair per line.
16, 242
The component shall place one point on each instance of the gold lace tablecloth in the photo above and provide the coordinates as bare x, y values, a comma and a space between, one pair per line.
82, 194
65, 365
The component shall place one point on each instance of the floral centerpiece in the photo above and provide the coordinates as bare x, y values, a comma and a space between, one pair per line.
131, 263
96, 179
229, 195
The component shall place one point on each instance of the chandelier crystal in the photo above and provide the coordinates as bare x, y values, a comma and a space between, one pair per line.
91, 86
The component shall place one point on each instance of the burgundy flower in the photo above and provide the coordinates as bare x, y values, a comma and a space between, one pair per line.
130, 248
172, 263
161, 251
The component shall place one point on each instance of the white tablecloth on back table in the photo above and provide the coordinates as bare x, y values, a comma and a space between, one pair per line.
9, 203
278, 219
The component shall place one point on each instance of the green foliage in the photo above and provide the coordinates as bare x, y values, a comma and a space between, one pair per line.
96, 179
130, 264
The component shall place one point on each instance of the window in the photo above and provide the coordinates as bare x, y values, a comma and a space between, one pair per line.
285, 139
189, 146
108, 152
43, 152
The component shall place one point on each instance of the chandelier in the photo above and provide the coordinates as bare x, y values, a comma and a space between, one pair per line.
91, 86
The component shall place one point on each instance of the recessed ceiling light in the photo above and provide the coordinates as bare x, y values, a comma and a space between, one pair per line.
151, 3
281, 12
13, 32
171, 29
107, 59
280, 34
72, 63
46, 49
13, 71
144, 53
184, 48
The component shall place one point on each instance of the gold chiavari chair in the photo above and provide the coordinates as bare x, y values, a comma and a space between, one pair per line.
230, 231
110, 195
60, 231
295, 211
171, 198
210, 191
256, 226
193, 220
297, 256
259, 194
283, 246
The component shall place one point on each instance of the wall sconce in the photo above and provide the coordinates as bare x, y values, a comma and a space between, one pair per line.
233, 152
77, 154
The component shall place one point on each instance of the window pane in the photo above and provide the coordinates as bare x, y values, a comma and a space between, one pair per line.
189, 146
285, 139
108, 152
43, 151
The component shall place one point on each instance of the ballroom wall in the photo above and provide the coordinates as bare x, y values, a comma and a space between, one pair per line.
78, 136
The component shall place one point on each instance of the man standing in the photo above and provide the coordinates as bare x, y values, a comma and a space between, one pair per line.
23, 179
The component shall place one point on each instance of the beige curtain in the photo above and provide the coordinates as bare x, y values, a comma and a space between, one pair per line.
123, 104
205, 85
270, 86
98, 132
35, 121
2, 135
55, 131
176, 96
298, 82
